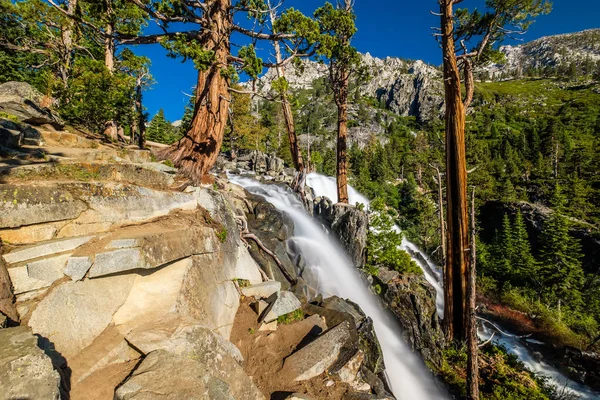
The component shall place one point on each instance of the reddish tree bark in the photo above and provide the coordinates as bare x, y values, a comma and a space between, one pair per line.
287, 108
455, 272
196, 153
340, 77
342, 152
7, 298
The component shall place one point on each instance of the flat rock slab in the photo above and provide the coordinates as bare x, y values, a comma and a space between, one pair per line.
180, 335
284, 303
22, 283
154, 245
75, 313
211, 375
319, 355
21, 206
48, 269
25, 371
77, 267
42, 250
262, 290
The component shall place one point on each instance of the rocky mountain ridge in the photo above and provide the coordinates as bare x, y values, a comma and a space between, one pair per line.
407, 88
548, 51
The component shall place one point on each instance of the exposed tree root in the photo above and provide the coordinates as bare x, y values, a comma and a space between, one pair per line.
245, 234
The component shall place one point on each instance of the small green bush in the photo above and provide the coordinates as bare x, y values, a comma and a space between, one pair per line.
290, 318
222, 235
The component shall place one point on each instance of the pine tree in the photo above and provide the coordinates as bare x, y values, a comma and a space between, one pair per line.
523, 263
160, 130
561, 275
506, 250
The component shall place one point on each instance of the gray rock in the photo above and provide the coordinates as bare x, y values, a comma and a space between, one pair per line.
275, 164
412, 299
42, 250
319, 355
338, 304
25, 371
48, 269
262, 290
90, 207
348, 224
77, 267
75, 313
21, 281
24, 102
10, 137
154, 250
28, 135
114, 261
180, 335
387, 275
273, 228
211, 374
284, 302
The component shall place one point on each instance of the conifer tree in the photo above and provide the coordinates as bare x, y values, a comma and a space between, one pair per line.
160, 130
561, 275
506, 249
337, 27
201, 31
523, 263
502, 18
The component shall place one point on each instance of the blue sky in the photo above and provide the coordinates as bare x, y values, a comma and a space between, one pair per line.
398, 28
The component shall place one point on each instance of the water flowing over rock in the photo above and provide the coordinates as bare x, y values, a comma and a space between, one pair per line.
412, 300
348, 223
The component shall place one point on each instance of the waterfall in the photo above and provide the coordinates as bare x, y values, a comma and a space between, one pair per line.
326, 186
330, 271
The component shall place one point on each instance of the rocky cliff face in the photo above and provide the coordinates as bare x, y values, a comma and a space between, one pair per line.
407, 88
549, 51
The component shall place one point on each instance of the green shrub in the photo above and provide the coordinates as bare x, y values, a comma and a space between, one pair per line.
290, 318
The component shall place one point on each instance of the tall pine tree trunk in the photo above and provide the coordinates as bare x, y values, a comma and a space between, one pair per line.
455, 272
138, 122
287, 109
111, 128
67, 40
196, 153
342, 153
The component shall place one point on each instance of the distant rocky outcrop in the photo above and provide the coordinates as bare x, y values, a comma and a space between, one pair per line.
407, 88
548, 51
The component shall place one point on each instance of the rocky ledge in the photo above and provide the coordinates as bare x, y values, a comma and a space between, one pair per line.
117, 284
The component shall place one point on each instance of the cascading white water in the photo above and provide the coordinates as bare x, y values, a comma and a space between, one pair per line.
330, 271
326, 186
